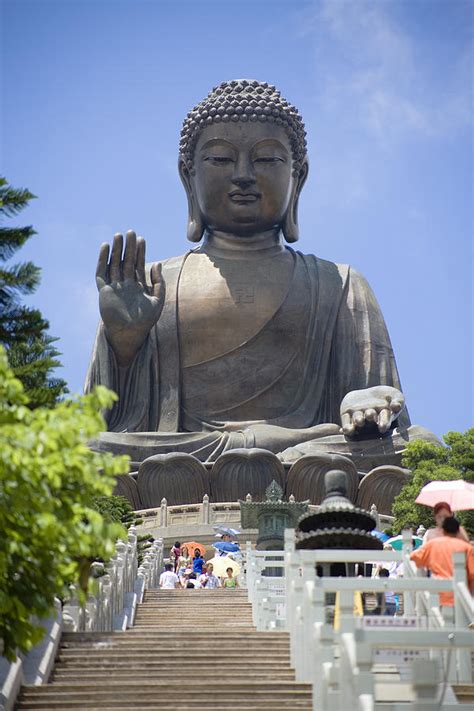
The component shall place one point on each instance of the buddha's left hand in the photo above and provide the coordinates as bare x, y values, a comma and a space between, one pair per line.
378, 406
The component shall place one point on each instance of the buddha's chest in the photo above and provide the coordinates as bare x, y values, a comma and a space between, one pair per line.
224, 303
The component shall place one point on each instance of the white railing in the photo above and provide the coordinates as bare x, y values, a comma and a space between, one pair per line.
207, 513
119, 586
339, 663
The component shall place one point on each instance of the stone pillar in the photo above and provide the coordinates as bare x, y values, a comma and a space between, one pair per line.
164, 513
205, 510
375, 514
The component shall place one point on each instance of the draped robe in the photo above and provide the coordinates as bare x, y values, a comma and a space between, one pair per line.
324, 339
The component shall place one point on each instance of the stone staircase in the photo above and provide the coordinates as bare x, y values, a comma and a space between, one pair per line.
188, 649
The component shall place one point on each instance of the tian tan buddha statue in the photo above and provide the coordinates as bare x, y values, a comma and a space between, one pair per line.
242, 341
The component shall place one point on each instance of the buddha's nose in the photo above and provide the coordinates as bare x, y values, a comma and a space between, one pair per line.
244, 175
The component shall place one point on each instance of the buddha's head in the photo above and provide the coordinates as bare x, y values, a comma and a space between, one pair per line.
243, 162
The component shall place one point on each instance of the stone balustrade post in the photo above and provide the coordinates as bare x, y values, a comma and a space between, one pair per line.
205, 510
155, 563
375, 514
107, 603
464, 666
307, 635
91, 614
365, 662
346, 611
71, 612
97, 570
111, 568
425, 683
128, 579
163, 513
121, 553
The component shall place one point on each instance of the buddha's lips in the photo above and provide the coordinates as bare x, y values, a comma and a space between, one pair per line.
237, 196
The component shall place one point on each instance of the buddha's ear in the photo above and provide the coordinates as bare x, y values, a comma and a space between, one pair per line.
290, 222
195, 229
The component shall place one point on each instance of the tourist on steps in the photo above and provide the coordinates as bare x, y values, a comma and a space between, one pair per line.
198, 562
169, 580
437, 556
175, 555
390, 600
230, 581
192, 582
441, 511
208, 580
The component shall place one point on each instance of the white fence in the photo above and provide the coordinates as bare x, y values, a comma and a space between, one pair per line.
112, 606
429, 647
119, 586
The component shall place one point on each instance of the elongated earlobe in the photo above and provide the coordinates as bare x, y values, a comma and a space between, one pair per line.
195, 228
289, 225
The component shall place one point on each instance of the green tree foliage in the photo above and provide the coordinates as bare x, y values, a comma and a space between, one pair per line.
49, 479
118, 509
23, 330
429, 462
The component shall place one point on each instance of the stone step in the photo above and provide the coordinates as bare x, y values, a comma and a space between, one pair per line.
245, 670
135, 636
165, 704
167, 667
203, 657
464, 693
242, 645
139, 693
227, 641
207, 676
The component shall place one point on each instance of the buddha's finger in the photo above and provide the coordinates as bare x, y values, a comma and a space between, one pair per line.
101, 271
157, 280
116, 258
396, 405
358, 418
370, 415
384, 420
140, 261
130, 255
347, 424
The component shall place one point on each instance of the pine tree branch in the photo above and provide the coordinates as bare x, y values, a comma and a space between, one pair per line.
11, 239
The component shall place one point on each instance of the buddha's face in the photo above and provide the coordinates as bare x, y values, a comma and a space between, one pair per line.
243, 177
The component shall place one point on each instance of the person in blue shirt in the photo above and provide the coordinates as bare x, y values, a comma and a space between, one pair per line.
198, 562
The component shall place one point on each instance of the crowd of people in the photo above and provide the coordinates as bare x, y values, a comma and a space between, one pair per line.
194, 572
435, 554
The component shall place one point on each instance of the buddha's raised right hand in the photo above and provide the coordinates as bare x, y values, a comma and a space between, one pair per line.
128, 306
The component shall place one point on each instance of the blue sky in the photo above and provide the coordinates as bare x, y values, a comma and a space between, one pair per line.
93, 95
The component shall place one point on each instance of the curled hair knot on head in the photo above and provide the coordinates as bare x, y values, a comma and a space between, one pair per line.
244, 100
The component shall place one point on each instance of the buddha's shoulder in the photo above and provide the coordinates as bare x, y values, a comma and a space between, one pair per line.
328, 269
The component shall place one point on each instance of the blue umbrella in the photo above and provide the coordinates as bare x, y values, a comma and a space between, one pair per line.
226, 547
380, 535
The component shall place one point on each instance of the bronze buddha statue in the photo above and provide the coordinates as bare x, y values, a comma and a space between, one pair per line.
244, 342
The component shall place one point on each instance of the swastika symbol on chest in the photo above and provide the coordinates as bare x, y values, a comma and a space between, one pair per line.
244, 294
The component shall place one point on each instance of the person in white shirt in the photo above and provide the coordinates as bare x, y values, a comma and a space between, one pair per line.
169, 580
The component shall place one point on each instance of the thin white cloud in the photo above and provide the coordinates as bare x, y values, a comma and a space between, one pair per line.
373, 69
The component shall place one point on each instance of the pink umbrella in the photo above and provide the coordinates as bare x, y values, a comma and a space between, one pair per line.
459, 494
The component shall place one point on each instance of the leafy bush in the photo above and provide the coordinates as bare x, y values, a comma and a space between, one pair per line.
49, 478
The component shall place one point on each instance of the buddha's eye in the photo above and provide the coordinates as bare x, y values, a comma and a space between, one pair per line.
219, 159
268, 159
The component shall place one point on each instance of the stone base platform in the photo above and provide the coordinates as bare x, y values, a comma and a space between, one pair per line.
181, 479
